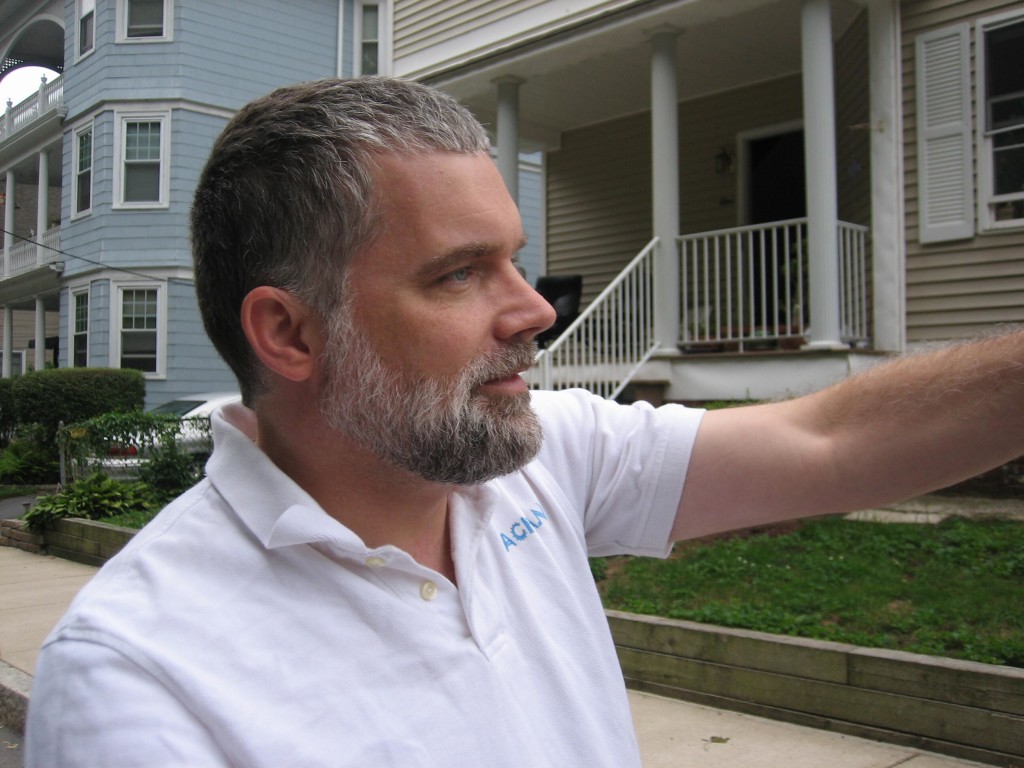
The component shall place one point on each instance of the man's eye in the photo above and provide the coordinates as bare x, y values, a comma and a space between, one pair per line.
459, 275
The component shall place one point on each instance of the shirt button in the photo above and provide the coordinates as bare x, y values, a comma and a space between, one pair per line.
428, 590
373, 561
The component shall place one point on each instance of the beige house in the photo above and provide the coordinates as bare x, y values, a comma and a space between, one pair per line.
794, 187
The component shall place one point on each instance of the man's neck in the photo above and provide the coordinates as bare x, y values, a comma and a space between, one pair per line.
380, 503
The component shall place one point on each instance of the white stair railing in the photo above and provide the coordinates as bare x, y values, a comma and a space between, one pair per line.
612, 338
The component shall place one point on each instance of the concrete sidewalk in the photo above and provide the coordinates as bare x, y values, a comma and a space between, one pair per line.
35, 590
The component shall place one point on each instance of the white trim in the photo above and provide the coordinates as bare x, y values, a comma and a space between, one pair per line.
122, 25
117, 288
121, 119
983, 140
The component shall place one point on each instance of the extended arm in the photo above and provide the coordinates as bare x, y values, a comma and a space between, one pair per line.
906, 427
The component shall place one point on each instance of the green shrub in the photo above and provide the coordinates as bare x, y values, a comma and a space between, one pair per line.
95, 498
29, 458
70, 395
8, 417
169, 471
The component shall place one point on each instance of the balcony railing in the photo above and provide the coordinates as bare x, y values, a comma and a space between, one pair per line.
27, 255
20, 116
610, 340
748, 285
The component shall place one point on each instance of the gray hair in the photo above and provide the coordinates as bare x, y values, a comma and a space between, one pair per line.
286, 198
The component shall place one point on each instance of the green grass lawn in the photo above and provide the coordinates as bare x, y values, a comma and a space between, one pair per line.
955, 589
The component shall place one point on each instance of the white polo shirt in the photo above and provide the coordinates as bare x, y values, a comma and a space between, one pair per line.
246, 627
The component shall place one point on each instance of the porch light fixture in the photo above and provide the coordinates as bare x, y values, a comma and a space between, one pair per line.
723, 162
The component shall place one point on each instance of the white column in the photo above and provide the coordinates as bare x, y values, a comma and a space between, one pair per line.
887, 247
508, 132
820, 161
9, 222
5, 370
665, 185
40, 356
42, 198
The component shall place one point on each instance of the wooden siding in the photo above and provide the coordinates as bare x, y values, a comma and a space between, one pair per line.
420, 25
955, 289
599, 201
708, 200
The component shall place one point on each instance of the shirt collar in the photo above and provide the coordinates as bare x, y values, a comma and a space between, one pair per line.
277, 511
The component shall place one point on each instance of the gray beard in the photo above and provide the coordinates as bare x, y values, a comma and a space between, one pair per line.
439, 429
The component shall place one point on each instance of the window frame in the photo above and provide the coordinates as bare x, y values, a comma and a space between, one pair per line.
383, 40
77, 134
162, 117
73, 332
117, 344
166, 35
986, 197
81, 14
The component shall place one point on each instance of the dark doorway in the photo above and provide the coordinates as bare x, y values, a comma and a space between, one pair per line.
777, 180
774, 273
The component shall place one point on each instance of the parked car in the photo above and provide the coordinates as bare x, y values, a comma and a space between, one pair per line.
122, 462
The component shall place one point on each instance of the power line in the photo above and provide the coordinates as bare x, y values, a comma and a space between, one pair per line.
94, 262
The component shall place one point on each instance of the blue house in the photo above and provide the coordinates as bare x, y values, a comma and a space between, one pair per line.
100, 165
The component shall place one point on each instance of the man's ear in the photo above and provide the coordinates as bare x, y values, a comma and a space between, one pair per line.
283, 332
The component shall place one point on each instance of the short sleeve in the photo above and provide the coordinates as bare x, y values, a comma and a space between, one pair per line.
623, 466
136, 722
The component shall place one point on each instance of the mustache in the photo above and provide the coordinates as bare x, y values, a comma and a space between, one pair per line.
514, 357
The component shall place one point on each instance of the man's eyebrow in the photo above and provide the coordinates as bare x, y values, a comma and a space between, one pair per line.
456, 257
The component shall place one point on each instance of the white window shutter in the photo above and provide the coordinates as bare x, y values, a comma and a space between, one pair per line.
945, 179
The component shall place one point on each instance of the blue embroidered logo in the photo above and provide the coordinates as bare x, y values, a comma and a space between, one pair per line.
522, 528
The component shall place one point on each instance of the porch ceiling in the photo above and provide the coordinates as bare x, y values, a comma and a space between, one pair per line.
601, 70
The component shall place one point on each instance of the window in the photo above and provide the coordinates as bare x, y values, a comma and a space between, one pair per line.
139, 329
86, 26
80, 330
1001, 86
370, 37
142, 180
144, 18
83, 171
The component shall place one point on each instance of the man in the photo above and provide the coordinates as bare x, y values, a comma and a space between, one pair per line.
387, 564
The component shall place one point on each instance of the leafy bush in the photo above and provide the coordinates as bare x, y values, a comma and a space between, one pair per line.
29, 459
8, 417
169, 471
134, 432
95, 498
70, 395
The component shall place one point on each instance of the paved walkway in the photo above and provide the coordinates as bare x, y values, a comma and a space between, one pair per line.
35, 590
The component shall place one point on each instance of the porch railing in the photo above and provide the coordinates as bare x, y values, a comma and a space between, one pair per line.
27, 255
749, 285
606, 345
21, 115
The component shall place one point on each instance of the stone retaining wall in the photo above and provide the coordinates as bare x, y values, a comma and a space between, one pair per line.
959, 708
14, 533
86, 541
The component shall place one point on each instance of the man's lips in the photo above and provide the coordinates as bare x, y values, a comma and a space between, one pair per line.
510, 381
